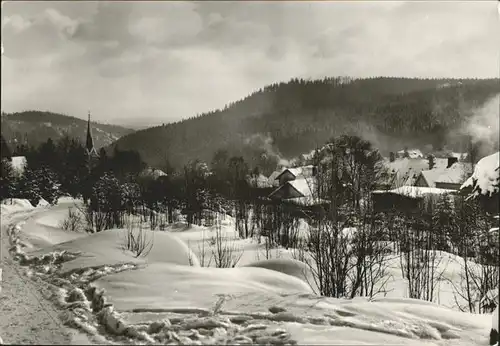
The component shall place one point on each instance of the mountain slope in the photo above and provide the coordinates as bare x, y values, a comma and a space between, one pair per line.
288, 119
37, 127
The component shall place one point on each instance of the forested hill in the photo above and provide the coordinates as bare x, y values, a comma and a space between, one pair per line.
36, 127
291, 118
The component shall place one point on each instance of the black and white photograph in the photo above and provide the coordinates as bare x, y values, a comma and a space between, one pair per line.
250, 173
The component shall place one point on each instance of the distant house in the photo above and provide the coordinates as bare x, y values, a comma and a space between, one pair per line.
152, 173
289, 174
412, 154
401, 172
450, 177
297, 186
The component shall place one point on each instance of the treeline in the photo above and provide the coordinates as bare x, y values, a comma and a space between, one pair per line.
113, 186
35, 127
348, 245
299, 115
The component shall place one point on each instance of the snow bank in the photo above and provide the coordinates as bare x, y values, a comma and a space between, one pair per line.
45, 230
166, 286
291, 267
42, 203
268, 303
14, 205
109, 248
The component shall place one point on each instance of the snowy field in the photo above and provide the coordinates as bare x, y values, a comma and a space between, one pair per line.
174, 294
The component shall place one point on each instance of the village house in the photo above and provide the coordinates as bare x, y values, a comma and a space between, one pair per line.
450, 177
297, 186
412, 154
400, 172
152, 173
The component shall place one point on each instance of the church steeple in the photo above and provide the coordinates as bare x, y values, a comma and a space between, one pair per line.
90, 141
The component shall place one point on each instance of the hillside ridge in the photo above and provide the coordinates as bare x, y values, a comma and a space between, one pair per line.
286, 119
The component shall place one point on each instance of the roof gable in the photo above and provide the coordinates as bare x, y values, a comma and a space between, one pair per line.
305, 171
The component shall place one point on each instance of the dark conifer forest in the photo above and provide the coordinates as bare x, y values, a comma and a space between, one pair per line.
284, 120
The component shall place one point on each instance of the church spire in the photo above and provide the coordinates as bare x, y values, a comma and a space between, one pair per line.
90, 141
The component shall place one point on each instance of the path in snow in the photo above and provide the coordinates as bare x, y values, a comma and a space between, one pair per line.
26, 316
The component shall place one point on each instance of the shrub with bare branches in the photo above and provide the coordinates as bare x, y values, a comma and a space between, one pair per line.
74, 222
138, 240
225, 253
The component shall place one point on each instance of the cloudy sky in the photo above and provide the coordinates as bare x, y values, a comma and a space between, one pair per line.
144, 63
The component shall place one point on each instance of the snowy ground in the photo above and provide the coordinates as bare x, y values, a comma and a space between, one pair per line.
168, 297
26, 317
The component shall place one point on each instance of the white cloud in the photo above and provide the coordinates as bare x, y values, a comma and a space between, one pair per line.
167, 60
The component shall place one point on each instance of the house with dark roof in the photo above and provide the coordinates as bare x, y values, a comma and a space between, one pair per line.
297, 186
289, 174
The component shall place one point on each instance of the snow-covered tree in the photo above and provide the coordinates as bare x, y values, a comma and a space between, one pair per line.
28, 186
48, 185
39, 183
484, 184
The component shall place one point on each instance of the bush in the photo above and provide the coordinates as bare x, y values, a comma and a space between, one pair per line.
138, 240
74, 222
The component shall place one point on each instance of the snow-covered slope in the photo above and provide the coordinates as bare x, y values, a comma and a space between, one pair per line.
166, 297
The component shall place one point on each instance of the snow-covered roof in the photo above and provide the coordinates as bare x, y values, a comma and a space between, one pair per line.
412, 153
305, 171
153, 172
453, 175
485, 179
415, 191
307, 187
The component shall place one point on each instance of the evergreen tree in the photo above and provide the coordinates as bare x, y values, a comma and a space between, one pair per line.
48, 185
4, 149
7, 180
107, 194
28, 186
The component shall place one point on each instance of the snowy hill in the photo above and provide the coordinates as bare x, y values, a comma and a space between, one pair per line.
37, 127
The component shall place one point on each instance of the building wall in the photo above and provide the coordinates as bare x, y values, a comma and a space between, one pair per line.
449, 186
286, 176
421, 181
